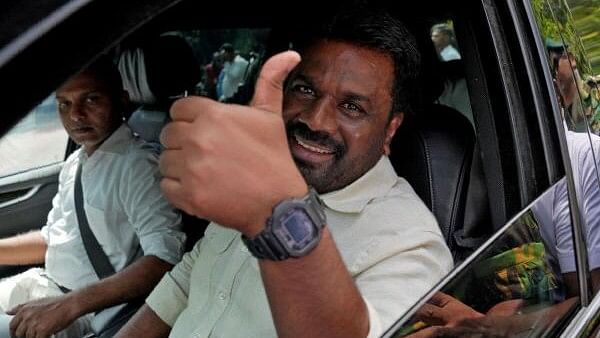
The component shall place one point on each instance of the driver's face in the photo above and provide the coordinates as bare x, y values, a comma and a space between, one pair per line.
336, 108
87, 110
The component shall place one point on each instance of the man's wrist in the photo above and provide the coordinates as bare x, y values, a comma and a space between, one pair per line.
295, 191
77, 304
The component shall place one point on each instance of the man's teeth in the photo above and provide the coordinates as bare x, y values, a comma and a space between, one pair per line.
313, 148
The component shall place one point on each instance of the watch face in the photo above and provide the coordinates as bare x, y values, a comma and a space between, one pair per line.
296, 232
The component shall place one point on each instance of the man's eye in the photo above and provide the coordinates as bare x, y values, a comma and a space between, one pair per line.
352, 110
351, 106
304, 89
62, 106
92, 99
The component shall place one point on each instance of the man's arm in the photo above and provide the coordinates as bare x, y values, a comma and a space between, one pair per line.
135, 281
51, 315
28, 248
145, 323
314, 296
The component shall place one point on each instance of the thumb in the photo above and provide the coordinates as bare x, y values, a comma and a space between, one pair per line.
268, 93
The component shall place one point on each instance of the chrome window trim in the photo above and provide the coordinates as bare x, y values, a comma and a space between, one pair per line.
579, 325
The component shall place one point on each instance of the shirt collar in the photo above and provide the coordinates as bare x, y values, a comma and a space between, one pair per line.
354, 197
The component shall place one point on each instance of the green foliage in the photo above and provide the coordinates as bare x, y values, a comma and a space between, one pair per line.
546, 23
586, 18
577, 24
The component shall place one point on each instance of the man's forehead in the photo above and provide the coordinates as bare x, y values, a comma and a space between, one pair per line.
348, 65
83, 83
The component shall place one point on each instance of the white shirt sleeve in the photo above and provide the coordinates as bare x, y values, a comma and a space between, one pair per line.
57, 201
156, 222
170, 297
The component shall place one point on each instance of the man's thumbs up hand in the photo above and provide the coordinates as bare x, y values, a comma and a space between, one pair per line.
229, 163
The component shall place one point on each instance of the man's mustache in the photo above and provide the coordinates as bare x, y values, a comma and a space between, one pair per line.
300, 129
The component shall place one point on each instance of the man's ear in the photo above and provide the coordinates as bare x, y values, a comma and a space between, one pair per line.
390, 131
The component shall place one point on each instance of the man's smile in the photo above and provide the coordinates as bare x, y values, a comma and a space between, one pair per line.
312, 146
310, 151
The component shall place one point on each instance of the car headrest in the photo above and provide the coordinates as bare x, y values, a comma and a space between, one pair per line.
153, 73
433, 151
157, 69
171, 66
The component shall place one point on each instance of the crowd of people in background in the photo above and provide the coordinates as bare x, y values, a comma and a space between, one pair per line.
227, 73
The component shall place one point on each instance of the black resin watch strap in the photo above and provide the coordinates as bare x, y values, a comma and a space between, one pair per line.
266, 246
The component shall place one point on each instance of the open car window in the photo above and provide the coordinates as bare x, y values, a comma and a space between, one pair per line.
37, 141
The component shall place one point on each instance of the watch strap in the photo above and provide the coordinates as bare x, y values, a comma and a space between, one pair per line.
266, 246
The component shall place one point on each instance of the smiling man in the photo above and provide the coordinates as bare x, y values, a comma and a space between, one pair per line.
344, 258
134, 225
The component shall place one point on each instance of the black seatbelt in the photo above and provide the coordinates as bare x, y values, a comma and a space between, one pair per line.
101, 265
97, 256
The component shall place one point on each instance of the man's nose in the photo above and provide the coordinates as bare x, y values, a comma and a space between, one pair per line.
77, 112
322, 116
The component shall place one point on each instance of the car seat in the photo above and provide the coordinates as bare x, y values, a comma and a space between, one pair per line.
433, 151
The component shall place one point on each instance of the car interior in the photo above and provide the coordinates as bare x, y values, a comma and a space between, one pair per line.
474, 169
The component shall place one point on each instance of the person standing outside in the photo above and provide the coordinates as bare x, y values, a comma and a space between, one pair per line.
233, 72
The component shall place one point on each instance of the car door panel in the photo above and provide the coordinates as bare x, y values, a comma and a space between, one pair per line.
24, 205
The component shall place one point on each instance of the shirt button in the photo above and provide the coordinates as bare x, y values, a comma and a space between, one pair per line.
222, 295
244, 249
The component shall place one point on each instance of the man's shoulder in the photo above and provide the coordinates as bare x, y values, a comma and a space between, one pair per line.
401, 196
131, 157
402, 208
133, 147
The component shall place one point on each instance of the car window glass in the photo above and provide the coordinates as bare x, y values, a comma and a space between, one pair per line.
519, 285
584, 74
585, 30
36, 141
570, 68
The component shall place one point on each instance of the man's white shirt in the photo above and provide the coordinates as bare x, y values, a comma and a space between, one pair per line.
125, 209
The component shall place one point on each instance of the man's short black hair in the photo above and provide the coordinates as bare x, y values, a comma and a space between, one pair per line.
375, 29
106, 71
